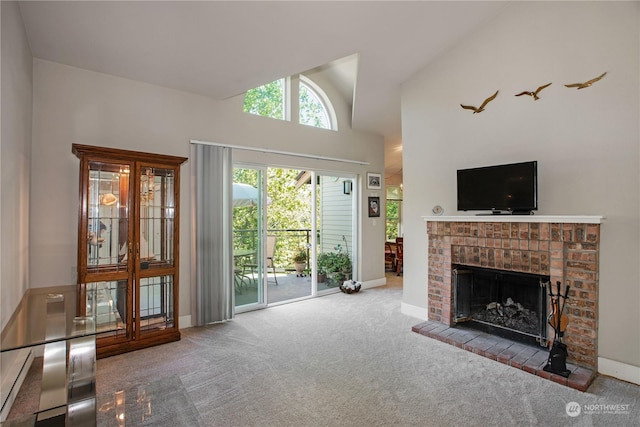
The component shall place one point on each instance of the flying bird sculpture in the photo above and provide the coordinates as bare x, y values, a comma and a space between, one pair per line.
481, 108
534, 95
587, 83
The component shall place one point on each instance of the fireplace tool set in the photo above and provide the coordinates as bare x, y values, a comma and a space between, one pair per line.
557, 362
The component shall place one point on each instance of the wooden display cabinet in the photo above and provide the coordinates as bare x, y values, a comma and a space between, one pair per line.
128, 255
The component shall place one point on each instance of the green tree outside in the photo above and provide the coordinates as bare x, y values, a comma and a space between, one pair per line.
312, 112
269, 101
266, 100
289, 209
393, 209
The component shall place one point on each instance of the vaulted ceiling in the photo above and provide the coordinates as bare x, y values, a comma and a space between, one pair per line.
223, 48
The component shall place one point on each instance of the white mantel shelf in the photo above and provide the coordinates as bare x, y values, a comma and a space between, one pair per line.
573, 219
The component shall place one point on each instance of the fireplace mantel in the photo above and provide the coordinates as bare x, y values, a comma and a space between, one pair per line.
564, 219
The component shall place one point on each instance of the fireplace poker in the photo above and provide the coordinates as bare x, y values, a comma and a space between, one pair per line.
555, 330
564, 301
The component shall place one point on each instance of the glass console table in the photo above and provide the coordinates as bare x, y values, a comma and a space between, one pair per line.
68, 391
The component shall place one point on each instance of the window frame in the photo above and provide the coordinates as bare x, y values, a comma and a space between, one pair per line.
288, 93
324, 100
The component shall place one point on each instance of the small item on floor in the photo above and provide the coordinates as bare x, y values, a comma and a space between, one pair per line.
350, 286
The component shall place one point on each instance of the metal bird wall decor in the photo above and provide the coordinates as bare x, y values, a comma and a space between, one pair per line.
481, 108
534, 95
587, 83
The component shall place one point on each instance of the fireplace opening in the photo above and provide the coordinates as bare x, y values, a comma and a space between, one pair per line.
505, 303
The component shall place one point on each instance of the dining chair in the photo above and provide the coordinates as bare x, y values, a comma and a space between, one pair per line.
399, 253
389, 257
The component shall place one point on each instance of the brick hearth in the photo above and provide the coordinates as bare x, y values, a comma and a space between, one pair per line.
520, 356
564, 248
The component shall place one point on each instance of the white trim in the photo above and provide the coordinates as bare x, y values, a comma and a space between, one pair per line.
286, 153
574, 219
414, 311
314, 233
286, 95
374, 283
622, 371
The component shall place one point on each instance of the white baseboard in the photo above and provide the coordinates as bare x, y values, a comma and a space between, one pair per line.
374, 283
414, 311
13, 374
619, 370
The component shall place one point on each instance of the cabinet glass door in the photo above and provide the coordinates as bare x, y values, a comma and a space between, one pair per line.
155, 248
106, 249
107, 217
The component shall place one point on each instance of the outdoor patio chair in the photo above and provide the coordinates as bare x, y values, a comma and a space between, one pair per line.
271, 249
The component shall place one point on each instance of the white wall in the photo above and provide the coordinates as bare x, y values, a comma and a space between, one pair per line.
586, 141
16, 75
73, 105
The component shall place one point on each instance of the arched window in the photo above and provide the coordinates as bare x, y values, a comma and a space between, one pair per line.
315, 108
272, 100
267, 100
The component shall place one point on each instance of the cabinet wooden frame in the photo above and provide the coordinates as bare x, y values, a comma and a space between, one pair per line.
127, 266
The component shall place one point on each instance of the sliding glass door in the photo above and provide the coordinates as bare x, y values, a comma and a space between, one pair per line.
334, 221
293, 234
289, 235
248, 246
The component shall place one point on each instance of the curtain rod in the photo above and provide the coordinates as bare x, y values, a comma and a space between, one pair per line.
286, 153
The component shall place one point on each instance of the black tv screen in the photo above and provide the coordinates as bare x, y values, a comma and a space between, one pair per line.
511, 187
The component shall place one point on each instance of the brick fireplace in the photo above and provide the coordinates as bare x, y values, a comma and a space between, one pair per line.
565, 248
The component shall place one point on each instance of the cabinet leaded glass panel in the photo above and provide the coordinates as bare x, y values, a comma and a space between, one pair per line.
156, 308
107, 303
107, 216
157, 214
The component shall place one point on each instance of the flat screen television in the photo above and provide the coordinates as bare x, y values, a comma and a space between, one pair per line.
510, 188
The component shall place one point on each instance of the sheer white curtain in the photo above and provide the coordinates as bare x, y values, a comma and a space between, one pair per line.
211, 234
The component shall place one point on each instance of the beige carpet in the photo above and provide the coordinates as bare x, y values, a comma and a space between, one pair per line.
339, 360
